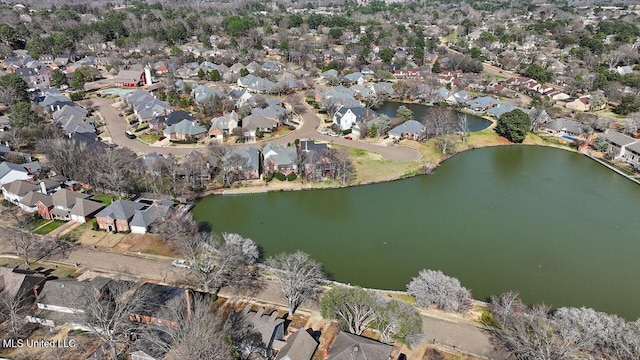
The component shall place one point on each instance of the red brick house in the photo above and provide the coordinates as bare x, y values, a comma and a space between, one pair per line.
116, 217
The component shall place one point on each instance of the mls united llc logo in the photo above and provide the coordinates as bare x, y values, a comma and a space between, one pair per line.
18, 343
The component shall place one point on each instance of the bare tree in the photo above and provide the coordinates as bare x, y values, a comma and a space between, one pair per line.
439, 121
299, 277
432, 287
244, 337
226, 164
220, 261
399, 320
9, 96
12, 309
177, 226
188, 324
463, 126
105, 310
340, 164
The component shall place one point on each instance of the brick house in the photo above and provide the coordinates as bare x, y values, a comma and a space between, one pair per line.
116, 217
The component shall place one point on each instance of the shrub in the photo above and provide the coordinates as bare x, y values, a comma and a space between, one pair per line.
95, 226
77, 96
142, 127
269, 177
346, 132
292, 177
291, 127
280, 176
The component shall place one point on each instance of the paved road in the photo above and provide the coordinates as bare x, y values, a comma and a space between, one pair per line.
116, 126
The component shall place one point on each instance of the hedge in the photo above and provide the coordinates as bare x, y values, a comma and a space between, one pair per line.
292, 177
280, 176
346, 132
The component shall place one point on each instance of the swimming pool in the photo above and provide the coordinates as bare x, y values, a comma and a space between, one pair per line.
120, 92
570, 138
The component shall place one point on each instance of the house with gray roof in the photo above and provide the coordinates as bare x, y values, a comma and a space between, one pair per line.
253, 123
185, 130
16, 190
20, 285
84, 209
283, 159
54, 101
504, 108
299, 346
269, 326
410, 129
354, 78
116, 217
384, 89
146, 106
348, 346
256, 84
329, 75
73, 119
483, 103
227, 123
562, 126
162, 122
347, 117
623, 147
10, 172
251, 168
142, 219
272, 112
201, 93
63, 201
37, 201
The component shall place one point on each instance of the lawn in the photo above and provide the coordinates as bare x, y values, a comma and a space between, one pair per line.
49, 227
149, 138
36, 223
59, 271
105, 198
372, 167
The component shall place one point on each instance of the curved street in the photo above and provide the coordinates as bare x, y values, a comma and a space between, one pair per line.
116, 128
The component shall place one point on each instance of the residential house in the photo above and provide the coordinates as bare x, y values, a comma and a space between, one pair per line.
162, 122
383, 89
329, 75
116, 217
37, 201
16, 190
83, 210
63, 201
62, 301
444, 95
347, 117
299, 346
73, 119
146, 106
54, 101
256, 84
20, 286
579, 104
273, 112
201, 93
623, 147
410, 129
256, 123
562, 126
251, 169
269, 326
355, 78
227, 123
10, 172
160, 296
142, 219
482, 104
348, 346
504, 108
216, 135
280, 159
624, 70
461, 96
130, 78
314, 160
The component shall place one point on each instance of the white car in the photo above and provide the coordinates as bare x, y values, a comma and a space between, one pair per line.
334, 134
323, 132
181, 264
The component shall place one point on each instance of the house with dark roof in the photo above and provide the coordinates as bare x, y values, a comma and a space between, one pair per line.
251, 168
62, 301
162, 122
116, 217
280, 159
269, 326
37, 201
54, 101
299, 346
347, 117
63, 201
348, 346
314, 161
160, 296
254, 123
227, 123
130, 78
256, 84
410, 129
20, 285
483, 103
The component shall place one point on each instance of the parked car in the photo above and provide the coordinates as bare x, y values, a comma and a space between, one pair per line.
323, 132
348, 137
121, 114
130, 135
181, 264
334, 134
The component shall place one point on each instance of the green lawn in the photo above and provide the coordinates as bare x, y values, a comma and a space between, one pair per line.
105, 198
49, 227
149, 138
36, 223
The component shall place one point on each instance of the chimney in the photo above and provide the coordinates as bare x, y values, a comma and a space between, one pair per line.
43, 187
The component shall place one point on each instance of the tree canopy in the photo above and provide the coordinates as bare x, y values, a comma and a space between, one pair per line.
514, 125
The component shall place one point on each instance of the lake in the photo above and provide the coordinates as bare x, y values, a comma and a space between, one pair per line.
475, 123
552, 224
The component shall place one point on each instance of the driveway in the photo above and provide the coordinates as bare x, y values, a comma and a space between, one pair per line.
116, 126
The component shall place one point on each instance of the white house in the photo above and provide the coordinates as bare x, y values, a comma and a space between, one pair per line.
10, 172
624, 148
347, 117
16, 190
